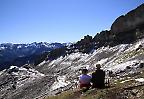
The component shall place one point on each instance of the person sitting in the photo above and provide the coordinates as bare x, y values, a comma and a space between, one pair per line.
84, 80
98, 78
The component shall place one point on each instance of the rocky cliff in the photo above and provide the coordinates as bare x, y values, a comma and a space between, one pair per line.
125, 29
129, 21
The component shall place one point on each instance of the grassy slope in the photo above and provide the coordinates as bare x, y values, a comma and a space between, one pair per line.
129, 89
110, 93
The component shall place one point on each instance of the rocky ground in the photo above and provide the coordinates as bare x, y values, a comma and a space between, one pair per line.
121, 87
53, 77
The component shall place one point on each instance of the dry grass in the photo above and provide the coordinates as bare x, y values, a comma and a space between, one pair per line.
126, 90
66, 95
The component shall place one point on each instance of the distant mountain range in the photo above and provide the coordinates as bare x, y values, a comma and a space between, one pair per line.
19, 54
125, 29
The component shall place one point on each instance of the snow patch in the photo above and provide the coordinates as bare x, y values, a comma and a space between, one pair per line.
24, 75
1, 72
12, 67
122, 66
2, 48
125, 81
140, 80
42, 63
19, 46
61, 82
102, 61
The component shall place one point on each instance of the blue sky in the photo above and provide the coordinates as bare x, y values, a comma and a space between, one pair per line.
27, 21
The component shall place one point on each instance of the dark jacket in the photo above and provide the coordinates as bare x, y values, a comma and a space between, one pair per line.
98, 79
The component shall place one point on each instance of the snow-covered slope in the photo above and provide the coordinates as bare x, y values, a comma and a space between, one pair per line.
51, 77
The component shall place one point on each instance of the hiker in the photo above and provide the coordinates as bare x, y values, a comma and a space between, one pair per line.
84, 80
98, 77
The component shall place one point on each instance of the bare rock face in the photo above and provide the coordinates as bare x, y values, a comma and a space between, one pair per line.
125, 30
129, 21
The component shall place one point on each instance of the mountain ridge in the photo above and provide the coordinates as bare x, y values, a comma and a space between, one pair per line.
10, 53
120, 33
121, 53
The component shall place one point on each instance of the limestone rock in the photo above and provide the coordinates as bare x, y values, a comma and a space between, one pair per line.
129, 21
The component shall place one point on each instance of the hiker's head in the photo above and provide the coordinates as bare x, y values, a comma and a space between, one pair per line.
98, 66
84, 71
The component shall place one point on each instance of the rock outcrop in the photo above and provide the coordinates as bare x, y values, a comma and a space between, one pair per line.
130, 21
125, 29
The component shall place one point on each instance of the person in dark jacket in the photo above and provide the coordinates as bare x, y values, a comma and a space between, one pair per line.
98, 78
